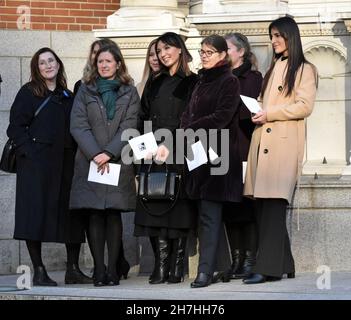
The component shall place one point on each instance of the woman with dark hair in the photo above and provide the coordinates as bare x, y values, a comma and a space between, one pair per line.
214, 105
277, 148
239, 217
163, 103
39, 126
123, 266
105, 106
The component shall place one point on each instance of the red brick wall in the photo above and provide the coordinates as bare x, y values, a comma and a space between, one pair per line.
66, 15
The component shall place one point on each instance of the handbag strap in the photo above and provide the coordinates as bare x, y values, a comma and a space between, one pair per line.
150, 166
143, 204
42, 105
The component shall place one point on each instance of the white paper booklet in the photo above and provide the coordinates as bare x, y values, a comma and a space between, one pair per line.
244, 170
110, 178
251, 103
200, 156
143, 145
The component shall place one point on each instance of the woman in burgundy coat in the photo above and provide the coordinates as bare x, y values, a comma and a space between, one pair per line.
214, 105
239, 217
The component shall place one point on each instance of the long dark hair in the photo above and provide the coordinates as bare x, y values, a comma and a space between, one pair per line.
175, 40
122, 72
219, 43
37, 82
289, 30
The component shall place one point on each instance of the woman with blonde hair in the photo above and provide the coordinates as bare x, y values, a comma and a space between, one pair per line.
151, 67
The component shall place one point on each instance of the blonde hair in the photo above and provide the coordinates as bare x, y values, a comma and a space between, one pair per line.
147, 69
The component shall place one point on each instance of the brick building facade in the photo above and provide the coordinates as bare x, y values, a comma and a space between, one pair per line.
56, 15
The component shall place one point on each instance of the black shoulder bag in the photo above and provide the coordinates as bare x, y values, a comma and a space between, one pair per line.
8, 157
160, 186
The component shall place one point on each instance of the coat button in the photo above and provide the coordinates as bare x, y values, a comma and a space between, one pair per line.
265, 151
34, 139
268, 130
280, 88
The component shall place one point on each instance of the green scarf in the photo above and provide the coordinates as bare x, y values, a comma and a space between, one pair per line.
108, 90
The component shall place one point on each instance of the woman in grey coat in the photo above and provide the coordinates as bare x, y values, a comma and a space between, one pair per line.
104, 107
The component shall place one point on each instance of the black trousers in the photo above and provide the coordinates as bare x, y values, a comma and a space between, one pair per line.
210, 220
274, 257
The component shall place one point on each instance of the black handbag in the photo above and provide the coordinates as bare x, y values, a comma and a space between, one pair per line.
8, 157
160, 186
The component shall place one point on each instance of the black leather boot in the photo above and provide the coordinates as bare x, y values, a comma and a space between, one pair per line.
176, 273
154, 241
248, 263
237, 264
162, 269
202, 280
75, 276
41, 278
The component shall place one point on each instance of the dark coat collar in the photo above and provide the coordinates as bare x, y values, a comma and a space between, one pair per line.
243, 70
208, 75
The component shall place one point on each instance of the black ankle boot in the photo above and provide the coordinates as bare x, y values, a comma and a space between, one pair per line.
75, 276
41, 278
248, 263
162, 264
176, 273
237, 264
255, 278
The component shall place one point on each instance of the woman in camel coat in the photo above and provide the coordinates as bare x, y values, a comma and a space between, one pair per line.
277, 147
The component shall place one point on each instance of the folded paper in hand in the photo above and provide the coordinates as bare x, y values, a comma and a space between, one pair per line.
200, 156
143, 145
251, 104
110, 178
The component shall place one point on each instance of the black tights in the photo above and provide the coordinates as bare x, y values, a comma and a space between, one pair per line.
106, 227
34, 249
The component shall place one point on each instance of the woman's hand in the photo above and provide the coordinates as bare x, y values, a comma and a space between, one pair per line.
260, 117
162, 153
101, 161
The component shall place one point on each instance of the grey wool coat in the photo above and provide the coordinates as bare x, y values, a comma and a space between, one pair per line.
94, 133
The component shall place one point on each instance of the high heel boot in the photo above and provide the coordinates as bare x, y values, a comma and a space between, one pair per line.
248, 264
237, 264
162, 269
176, 273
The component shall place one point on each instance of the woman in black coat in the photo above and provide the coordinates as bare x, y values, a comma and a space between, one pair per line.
163, 102
239, 217
45, 156
214, 105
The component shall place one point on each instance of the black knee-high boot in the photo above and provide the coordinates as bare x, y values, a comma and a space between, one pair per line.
154, 241
176, 273
162, 269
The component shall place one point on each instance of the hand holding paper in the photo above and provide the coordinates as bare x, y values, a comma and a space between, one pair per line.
251, 103
143, 146
111, 177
